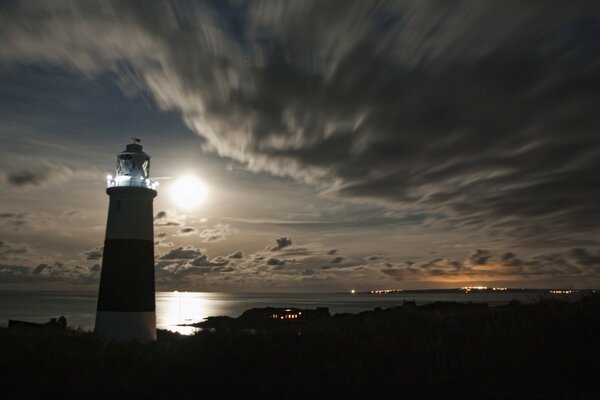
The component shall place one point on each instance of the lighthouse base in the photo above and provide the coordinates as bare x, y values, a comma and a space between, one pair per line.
127, 325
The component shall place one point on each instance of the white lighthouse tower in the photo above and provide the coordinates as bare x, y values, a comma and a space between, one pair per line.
126, 305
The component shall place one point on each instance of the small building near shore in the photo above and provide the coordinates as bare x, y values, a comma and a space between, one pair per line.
286, 314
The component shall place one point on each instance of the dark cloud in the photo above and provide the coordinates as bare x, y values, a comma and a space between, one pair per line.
392, 272
482, 264
182, 253
10, 251
481, 257
282, 243
275, 261
190, 261
169, 218
168, 223
39, 269
14, 273
6, 269
94, 254
12, 216
236, 254
41, 175
584, 257
204, 261
48, 273
186, 231
337, 260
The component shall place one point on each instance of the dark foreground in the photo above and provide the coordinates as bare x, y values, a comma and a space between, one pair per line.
548, 350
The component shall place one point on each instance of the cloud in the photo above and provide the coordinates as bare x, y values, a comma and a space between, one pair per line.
169, 218
49, 273
215, 233
14, 220
295, 264
190, 261
235, 254
94, 254
11, 251
41, 175
394, 103
282, 243
481, 257
188, 231
204, 261
182, 253
39, 269
14, 274
482, 264
584, 257
275, 261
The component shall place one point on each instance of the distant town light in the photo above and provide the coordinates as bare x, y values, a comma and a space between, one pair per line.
386, 291
467, 289
353, 291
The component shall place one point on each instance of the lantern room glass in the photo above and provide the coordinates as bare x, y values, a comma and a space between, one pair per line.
133, 168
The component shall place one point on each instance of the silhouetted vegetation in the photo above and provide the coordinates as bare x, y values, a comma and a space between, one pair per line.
546, 350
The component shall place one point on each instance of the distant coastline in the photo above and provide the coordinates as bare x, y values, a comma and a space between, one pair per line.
175, 308
472, 289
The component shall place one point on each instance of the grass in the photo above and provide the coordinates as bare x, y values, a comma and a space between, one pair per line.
546, 350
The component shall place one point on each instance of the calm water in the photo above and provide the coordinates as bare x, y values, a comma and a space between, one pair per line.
173, 308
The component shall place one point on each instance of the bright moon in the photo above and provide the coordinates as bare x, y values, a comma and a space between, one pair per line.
188, 192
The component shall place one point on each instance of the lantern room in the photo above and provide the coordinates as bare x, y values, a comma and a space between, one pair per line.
133, 168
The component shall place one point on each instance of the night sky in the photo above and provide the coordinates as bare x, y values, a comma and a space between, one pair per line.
344, 144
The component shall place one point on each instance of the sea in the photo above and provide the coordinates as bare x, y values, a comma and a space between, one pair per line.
176, 309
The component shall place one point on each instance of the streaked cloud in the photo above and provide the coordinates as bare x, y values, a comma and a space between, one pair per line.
403, 122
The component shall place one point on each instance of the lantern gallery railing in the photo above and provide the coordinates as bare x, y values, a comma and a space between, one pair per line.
124, 180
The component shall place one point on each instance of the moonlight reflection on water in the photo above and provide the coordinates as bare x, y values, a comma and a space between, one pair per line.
176, 308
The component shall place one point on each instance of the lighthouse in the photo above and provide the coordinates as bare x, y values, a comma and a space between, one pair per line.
126, 305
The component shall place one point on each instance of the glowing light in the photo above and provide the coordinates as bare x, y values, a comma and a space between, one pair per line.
386, 291
353, 291
188, 192
467, 289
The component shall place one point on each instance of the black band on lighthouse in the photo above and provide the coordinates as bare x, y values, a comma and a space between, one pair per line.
127, 277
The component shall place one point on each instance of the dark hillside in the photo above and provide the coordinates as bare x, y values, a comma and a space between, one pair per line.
547, 350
